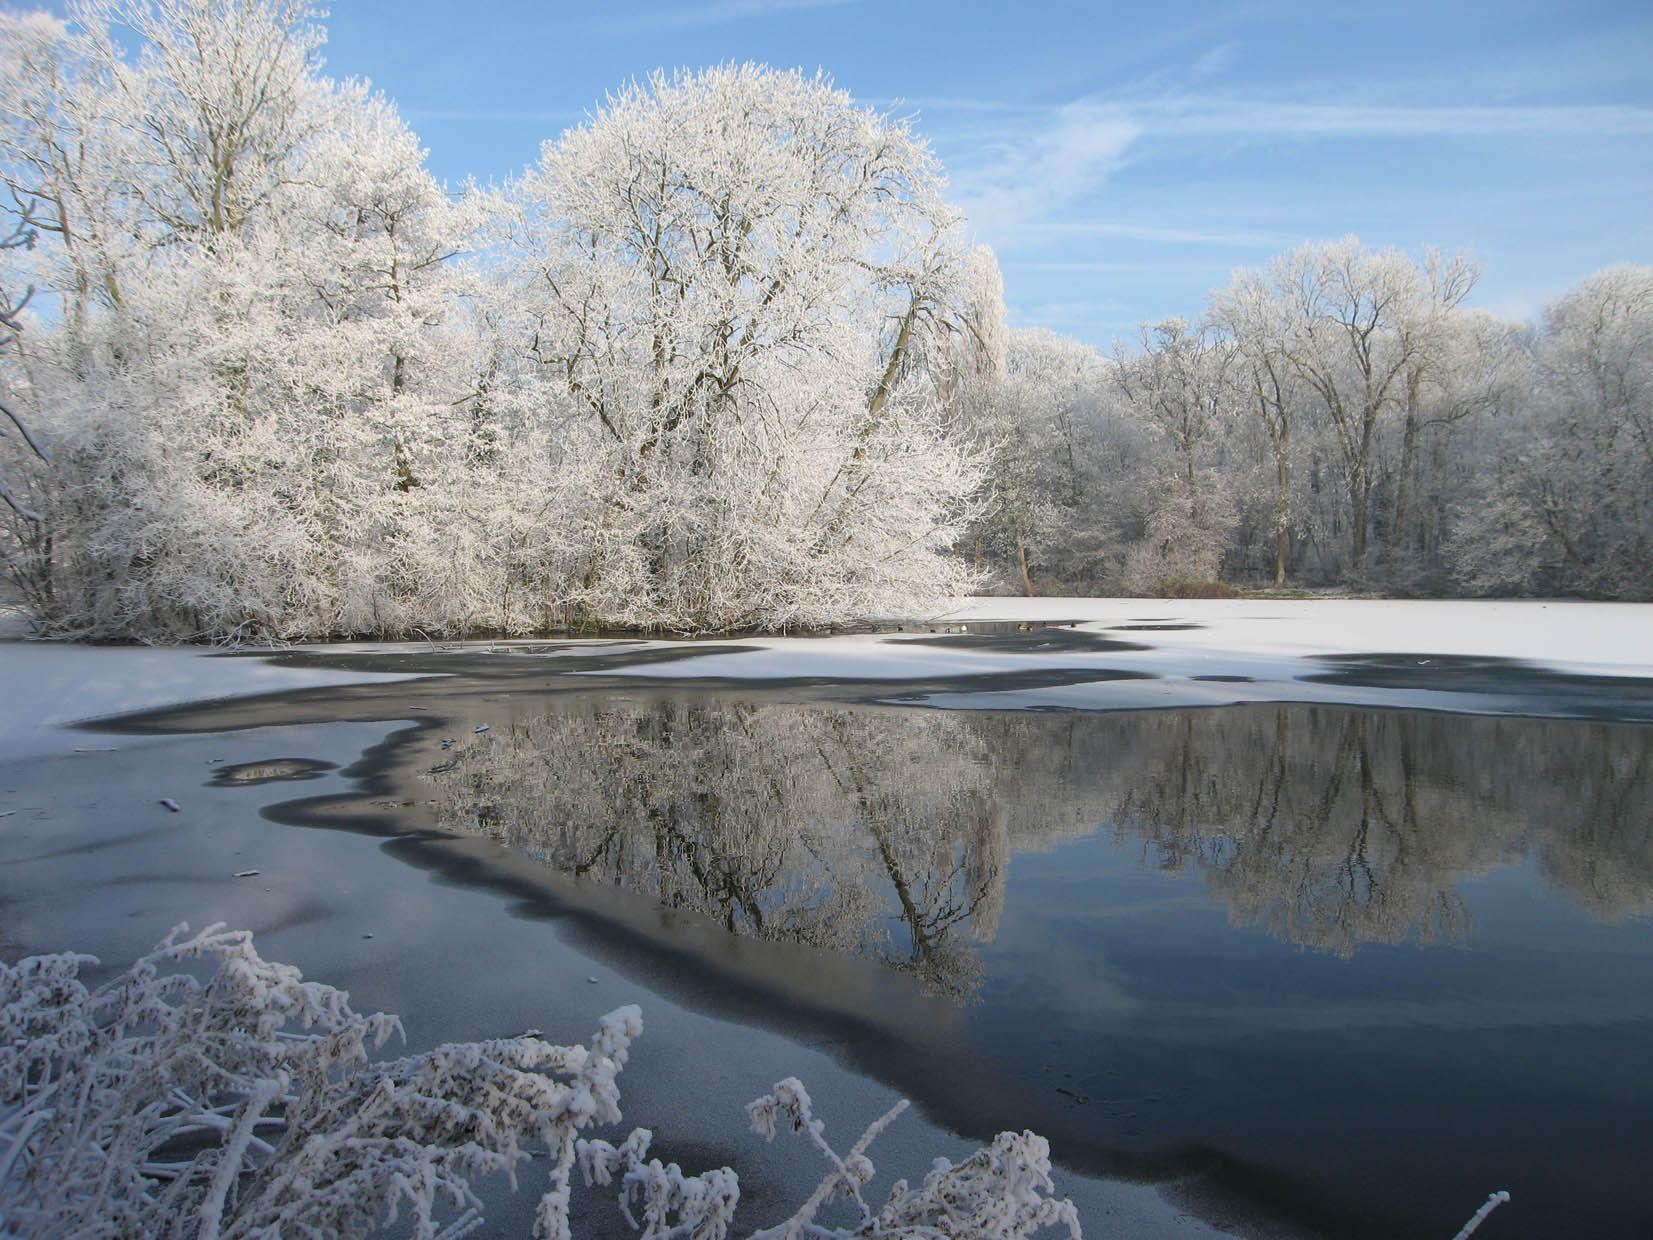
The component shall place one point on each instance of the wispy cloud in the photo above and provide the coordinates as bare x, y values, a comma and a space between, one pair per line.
1093, 317
1230, 117
1040, 172
1159, 234
696, 16
1102, 266
960, 103
485, 114
1031, 181
1214, 62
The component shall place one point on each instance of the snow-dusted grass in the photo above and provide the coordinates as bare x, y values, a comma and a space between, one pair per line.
1263, 649
156, 1103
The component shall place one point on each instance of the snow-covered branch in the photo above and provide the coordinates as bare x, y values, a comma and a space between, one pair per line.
249, 1104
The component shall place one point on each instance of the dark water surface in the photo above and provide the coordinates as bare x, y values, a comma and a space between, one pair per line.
1358, 967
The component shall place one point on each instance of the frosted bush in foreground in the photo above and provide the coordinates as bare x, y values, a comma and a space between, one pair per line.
159, 1104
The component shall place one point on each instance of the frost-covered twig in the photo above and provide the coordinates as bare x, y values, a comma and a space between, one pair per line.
790, 1100
133, 1109
1492, 1203
136, 1109
999, 1192
674, 1206
22, 236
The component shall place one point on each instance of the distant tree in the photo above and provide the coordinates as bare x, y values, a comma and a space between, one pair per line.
1264, 383
1477, 375
1362, 329
1591, 478
22, 236
1564, 501
1176, 385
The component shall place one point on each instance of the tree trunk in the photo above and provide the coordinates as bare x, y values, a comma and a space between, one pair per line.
1280, 508
1021, 565
1408, 457
1359, 497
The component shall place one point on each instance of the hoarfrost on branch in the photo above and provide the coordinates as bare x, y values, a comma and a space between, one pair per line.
248, 1105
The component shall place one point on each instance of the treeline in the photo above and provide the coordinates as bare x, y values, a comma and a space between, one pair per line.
1336, 419
720, 359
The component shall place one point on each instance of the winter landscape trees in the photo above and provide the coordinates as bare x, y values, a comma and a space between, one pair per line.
1339, 418
680, 383
720, 359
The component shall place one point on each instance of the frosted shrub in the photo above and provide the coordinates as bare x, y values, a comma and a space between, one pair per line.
247, 1105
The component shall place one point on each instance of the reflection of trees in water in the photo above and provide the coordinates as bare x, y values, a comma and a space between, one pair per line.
861, 831
1334, 827
888, 833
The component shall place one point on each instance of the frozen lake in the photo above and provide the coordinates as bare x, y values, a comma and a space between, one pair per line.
1311, 931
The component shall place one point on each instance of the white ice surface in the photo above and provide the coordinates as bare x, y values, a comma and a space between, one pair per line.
1597, 638
1264, 640
48, 684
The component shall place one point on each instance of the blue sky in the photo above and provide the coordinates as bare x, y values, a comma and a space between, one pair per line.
1124, 159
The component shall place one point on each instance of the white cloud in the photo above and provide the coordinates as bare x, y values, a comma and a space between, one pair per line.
1215, 61
1198, 115
695, 16
1083, 265
1160, 234
1039, 175
1086, 313
484, 114
1047, 166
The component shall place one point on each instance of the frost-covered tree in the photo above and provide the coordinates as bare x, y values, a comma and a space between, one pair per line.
1263, 383
725, 280
1362, 330
1045, 517
1176, 386
258, 381
1566, 501
11, 327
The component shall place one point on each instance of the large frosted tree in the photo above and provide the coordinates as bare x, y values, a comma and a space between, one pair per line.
256, 383
725, 280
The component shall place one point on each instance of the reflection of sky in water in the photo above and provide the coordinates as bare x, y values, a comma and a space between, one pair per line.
1383, 961
1515, 1058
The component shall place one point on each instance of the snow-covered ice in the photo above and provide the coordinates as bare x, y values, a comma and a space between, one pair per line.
50, 684
1220, 652
1223, 635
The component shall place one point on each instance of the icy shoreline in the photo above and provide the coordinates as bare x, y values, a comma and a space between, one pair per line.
95, 861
